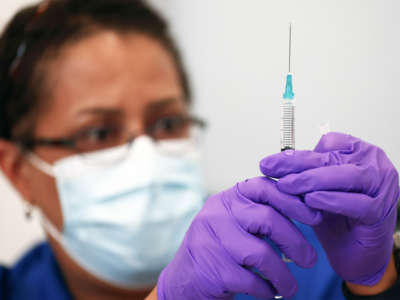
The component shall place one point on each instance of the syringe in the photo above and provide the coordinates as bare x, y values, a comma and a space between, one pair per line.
288, 107
287, 118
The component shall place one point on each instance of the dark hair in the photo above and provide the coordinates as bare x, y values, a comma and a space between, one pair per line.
35, 33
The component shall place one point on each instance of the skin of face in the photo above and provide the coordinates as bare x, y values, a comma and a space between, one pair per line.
126, 78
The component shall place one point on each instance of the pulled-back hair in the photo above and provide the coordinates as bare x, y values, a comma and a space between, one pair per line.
40, 30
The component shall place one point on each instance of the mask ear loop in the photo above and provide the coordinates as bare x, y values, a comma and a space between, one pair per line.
40, 164
31, 210
51, 229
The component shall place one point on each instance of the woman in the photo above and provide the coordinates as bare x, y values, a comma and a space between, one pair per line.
96, 135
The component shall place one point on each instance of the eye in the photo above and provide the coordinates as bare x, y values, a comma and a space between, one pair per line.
171, 127
171, 124
98, 138
99, 134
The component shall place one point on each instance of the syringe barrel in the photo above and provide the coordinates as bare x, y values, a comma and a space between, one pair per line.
287, 124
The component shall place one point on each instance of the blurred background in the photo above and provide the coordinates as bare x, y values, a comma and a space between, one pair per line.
346, 73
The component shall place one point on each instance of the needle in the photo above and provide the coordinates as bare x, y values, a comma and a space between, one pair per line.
290, 44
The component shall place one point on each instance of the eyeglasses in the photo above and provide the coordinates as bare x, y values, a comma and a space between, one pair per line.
109, 136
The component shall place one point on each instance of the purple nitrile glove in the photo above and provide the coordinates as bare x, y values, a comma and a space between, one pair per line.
356, 187
225, 241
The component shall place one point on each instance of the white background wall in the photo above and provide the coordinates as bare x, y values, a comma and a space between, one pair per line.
346, 66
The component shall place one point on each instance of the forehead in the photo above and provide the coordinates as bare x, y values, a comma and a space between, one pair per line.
110, 69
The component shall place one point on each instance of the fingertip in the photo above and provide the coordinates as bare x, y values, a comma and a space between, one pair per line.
291, 292
315, 200
310, 199
317, 218
257, 286
287, 184
333, 141
312, 258
309, 216
306, 257
286, 288
300, 212
268, 165
255, 188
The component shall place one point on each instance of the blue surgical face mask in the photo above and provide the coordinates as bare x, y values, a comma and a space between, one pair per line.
124, 221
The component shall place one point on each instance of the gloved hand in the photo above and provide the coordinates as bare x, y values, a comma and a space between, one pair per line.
356, 187
224, 242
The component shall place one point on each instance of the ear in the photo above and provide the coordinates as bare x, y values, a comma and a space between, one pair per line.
14, 167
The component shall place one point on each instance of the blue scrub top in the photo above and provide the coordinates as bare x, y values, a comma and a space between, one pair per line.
37, 276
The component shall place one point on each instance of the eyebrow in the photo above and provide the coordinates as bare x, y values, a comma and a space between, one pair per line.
159, 105
99, 111
149, 109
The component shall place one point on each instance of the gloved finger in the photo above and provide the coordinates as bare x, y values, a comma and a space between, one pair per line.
252, 252
331, 150
247, 282
225, 274
291, 161
264, 190
264, 220
345, 178
360, 207
335, 141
